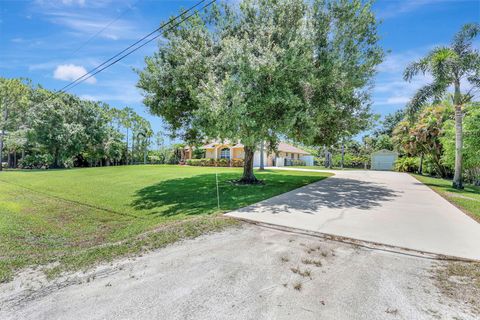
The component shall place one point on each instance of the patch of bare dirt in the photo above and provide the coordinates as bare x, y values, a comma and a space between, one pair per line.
460, 281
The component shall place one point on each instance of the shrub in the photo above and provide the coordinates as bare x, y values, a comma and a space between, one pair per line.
237, 162
194, 162
40, 161
222, 162
296, 162
206, 162
407, 164
349, 161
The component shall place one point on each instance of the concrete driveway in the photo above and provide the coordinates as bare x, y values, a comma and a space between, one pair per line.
383, 207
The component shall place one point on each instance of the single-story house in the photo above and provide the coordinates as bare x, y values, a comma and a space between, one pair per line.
286, 154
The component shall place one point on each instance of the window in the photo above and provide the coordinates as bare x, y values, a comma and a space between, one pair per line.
225, 153
293, 156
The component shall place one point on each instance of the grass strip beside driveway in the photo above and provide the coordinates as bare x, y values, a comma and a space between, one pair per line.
467, 200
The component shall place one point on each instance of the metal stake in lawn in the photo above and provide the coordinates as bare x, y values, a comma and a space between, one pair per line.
218, 194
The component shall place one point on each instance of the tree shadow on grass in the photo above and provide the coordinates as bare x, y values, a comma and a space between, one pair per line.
198, 194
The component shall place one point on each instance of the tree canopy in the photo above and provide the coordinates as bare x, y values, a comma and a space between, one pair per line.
61, 130
265, 70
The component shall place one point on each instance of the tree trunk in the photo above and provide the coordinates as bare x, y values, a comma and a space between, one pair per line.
2, 136
343, 154
56, 162
420, 168
133, 147
9, 159
457, 178
325, 163
248, 176
15, 158
126, 154
262, 147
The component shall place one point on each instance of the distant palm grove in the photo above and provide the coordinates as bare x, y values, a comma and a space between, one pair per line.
41, 129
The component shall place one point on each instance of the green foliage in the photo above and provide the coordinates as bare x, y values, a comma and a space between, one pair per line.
407, 164
296, 162
349, 160
383, 142
389, 123
38, 161
449, 66
471, 143
423, 135
294, 69
72, 131
454, 66
207, 162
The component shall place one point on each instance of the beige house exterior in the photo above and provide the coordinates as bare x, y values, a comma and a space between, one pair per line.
284, 156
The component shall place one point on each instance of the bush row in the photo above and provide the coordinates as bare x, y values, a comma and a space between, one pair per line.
206, 162
296, 162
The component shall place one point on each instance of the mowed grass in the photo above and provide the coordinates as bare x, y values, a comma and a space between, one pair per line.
323, 168
71, 219
467, 199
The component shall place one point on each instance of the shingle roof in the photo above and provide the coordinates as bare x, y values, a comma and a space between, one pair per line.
285, 147
282, 146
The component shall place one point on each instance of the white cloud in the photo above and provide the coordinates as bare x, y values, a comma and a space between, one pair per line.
71, 72
70, 2
114, 91
396, 8
86, 25
73, 3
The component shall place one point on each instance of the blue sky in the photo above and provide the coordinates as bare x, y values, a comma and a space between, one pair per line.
54, 42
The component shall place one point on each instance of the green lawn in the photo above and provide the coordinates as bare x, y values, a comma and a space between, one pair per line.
323, 168
78, 217
467, 199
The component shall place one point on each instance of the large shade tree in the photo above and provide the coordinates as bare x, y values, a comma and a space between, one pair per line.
453, 65
265, 70
14, 101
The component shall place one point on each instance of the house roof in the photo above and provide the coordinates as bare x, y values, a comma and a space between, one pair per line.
282, 146
285, 147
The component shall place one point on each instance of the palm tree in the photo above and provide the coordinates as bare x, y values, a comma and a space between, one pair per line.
449, 66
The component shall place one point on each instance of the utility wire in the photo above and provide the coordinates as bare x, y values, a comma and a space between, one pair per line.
82, 78
90, 74
125, 52
105, 27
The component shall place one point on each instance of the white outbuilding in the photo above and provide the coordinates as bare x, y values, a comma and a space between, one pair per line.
383, 160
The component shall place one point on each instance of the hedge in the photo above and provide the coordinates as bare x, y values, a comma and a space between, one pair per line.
207, 162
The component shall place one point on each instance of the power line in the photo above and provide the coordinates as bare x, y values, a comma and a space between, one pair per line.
81, 78
93, 36
90, 74
125, 52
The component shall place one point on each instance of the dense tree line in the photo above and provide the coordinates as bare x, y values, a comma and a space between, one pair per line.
427, 141
40, 129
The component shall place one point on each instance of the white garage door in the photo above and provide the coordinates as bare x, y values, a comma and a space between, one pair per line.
256, 159
383, 162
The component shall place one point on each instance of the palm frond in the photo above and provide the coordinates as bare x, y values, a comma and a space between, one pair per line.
433, 91
414, 68
463, 39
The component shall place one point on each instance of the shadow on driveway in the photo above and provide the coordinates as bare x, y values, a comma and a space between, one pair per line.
334, 193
